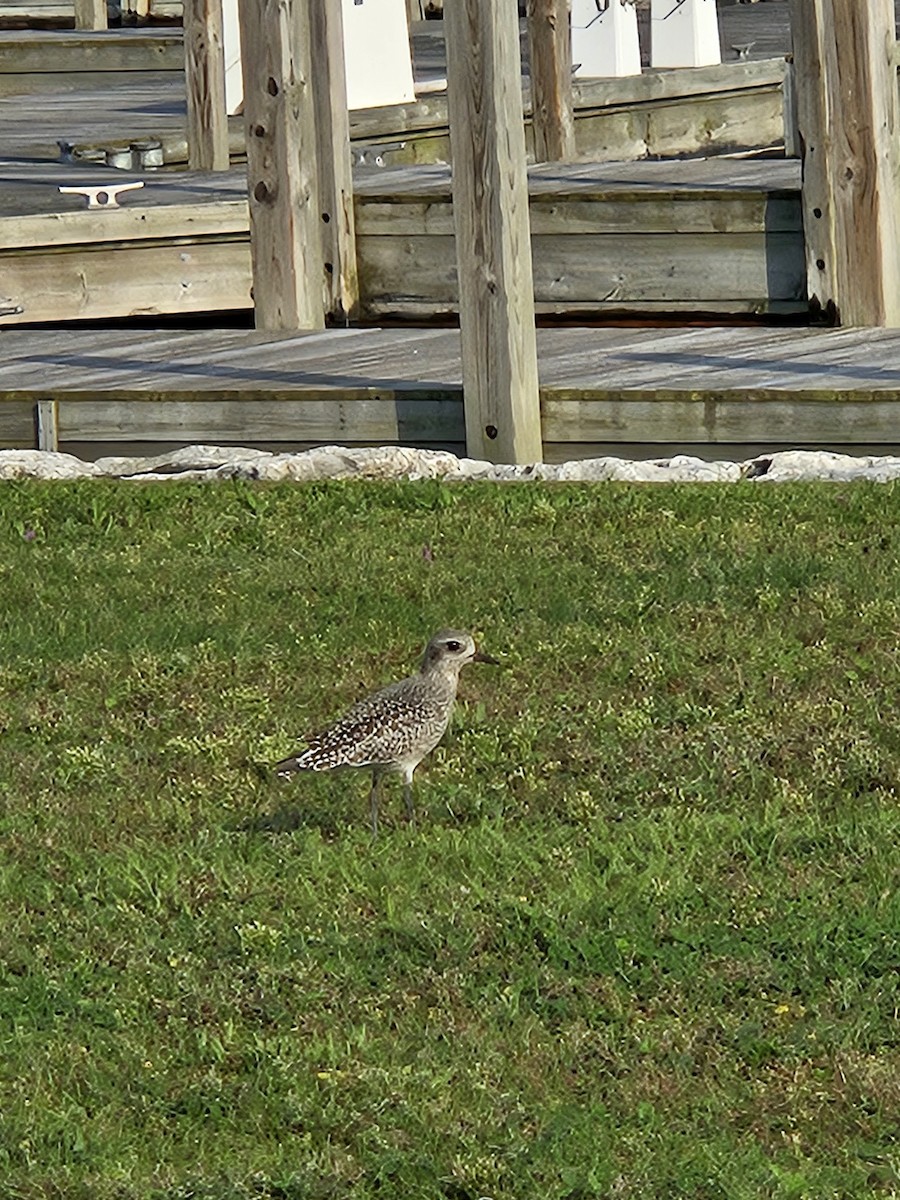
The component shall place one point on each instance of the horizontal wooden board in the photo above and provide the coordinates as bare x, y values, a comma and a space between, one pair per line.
688, 268
416, 421
691, 125
126, 280
71, 52
743, 418
382, 418
131, 222
603, 213
559, 452
706, 178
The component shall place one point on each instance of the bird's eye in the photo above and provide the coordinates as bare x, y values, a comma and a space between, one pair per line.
453, 647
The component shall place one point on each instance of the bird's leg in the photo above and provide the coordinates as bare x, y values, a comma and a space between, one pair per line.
373, 803
408, 798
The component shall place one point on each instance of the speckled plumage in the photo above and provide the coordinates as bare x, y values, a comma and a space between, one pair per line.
393, 729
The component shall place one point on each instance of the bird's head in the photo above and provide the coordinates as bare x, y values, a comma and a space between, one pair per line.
450, 650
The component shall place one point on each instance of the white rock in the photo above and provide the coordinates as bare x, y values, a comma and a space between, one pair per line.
177, 463
883, 468
689, 469
791, 466
682, 468
342, 462
43, 464
472, 468
198, 463
476, 468
595, 470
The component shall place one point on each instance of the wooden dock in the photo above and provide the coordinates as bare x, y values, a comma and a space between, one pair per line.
737, 105
707, 236
720, 238
627, 241
719, 393
716, 237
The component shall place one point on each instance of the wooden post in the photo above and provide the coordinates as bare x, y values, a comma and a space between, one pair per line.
338, 227
47, 419
204, 62
279, 120
550, 48
91, 14
847, 113
493, 247
414, 11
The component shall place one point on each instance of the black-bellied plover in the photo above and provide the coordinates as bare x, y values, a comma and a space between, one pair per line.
393, 729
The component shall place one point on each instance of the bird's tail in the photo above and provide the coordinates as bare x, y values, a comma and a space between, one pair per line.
288, 766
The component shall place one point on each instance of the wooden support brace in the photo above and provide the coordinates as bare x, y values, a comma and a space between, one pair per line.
491, 220
207, 118
280, 125
550, 46
47, 421
847, 114
789, 108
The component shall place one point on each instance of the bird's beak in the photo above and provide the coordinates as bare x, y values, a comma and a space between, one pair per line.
480, 656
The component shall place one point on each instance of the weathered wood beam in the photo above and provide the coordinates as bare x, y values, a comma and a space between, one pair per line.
789, 109
47, 421
373, 415
329, 84
550, 49
847, 115
280, 125
493, 246
91, 14
204, 62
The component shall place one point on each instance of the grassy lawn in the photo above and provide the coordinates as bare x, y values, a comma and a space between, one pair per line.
643, 942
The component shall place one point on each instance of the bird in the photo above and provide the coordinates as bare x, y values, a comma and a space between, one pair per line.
393, 729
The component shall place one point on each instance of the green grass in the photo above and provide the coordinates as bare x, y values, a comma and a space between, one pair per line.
642, 943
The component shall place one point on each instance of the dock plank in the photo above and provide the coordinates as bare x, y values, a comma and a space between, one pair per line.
601, 360
600, 387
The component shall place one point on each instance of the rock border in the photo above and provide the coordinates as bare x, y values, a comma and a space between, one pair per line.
211, 463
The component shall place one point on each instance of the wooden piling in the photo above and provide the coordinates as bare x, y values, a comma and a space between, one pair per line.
204, 54
335, 175
847, 114
493, 247
550, 54
91, 14
280, 126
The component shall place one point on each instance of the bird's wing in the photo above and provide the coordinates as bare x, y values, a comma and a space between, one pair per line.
364, 736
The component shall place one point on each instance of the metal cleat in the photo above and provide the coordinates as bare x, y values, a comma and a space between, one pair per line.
102, 197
